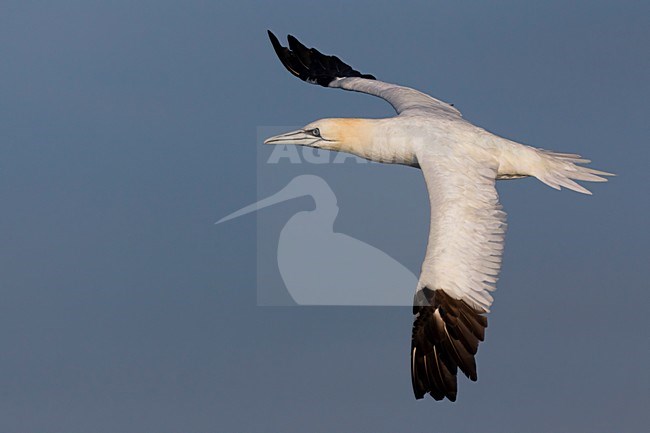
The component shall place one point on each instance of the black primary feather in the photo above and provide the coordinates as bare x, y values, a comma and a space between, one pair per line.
310, 65
446, 334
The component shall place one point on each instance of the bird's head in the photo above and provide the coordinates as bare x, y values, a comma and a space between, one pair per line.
330, 134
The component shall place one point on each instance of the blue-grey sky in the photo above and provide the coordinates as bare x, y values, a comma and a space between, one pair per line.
128, 128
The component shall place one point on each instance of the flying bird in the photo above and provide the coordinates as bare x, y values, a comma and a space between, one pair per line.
461, 163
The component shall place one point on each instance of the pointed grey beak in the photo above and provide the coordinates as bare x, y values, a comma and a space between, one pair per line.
300, 138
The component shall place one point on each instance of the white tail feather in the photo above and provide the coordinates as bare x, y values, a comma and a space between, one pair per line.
561, 170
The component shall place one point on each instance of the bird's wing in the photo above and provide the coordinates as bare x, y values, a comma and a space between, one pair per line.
460, 270
312, 66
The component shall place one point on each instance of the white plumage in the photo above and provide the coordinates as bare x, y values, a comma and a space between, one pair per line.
461, 163
467, 227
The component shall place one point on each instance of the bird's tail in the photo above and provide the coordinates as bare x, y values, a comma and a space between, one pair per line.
563, 169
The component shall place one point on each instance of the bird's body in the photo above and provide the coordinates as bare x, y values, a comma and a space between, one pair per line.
461, 163
398, 140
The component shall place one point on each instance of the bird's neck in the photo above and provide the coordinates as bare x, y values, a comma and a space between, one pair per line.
374, 139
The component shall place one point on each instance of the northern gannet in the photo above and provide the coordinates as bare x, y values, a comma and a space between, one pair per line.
460, 163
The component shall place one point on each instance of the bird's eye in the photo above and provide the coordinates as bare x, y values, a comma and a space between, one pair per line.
315, 132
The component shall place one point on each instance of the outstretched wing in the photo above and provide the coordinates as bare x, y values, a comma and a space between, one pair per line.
460, 270
312, 66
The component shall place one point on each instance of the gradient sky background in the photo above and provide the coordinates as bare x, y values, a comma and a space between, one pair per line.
128, 128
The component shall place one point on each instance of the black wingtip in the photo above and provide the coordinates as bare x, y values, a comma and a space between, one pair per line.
446, 335
294, 43
310, 65
274, 40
